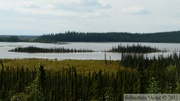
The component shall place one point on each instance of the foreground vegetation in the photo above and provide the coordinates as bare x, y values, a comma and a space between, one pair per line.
134, 49
32, 49
87, 80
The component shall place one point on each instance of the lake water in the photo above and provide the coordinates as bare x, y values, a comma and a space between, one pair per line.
99, 47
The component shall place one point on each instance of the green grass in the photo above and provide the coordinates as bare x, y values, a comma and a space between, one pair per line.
55, 65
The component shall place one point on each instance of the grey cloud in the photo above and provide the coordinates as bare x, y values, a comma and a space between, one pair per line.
32, 6
94, 3
83, 7
29, 4
136, 11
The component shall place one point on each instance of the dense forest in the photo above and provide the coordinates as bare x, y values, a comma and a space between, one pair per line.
10, 39
32, 49
167, 37
134, 49
141, 76
17, 38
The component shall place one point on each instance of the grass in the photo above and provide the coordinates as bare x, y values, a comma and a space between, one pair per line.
55, 65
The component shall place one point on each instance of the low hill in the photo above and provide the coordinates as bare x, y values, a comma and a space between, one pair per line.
165, 37
17, 38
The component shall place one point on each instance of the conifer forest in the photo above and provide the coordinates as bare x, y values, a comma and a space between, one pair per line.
141, 75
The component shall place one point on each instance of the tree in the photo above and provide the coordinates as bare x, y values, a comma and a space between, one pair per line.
177, 89
153, 86
41, 79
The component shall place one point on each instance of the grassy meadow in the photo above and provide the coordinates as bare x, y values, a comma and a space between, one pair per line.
55, 65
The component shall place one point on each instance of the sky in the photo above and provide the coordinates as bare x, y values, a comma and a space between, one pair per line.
37, 17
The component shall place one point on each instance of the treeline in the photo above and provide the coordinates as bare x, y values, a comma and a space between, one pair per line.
134, 49
166, 37
135, 60
10, 39
140, 76
17, 38
156, 75
32, 49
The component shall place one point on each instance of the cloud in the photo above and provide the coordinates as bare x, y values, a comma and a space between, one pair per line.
7, 5
28, 4
79, 8
94, 3
84, 6
136, 11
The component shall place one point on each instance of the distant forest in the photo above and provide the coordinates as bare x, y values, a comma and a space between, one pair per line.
17, 38
10, 39
167, 37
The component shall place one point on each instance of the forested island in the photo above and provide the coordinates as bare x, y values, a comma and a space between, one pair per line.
135, 74
134, 49
119, 49
32, 49
72, 36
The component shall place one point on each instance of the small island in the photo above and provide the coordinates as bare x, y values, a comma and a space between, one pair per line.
134, 49
32, 49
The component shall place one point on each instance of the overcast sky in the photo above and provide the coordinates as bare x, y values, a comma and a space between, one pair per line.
37, 17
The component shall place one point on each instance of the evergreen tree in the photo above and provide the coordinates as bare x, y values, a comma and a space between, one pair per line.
153, 86
42, 79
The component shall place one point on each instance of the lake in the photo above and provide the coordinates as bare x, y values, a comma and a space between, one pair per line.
98, 47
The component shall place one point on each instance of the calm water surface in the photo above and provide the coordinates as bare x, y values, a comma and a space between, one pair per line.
5, 46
